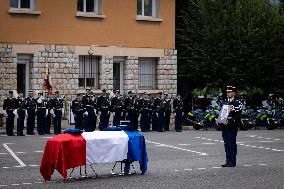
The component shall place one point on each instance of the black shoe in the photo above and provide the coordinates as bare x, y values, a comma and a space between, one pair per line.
228, 165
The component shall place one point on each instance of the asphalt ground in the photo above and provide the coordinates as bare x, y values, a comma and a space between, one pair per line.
190, 159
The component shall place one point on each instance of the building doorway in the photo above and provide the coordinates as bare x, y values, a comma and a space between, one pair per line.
118, 71
23, 73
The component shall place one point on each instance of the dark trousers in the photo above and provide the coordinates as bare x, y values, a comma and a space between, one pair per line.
41, 121
117, 117
48, 123
20, 122
178, 121
145, 121
31, 122
104, 119
230, 144
78, 117
10, 122
133, 118
161, 122
167, 121
89, 121
154, 122
57, 122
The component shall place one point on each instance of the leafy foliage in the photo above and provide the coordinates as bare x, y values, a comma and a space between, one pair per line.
234, 42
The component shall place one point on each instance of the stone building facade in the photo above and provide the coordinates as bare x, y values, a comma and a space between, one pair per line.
63, 62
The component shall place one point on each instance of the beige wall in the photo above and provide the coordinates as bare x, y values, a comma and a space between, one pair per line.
58, 24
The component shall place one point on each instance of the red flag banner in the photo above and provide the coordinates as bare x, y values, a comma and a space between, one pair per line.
47, 85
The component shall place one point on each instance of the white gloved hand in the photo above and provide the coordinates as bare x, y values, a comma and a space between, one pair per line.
15, 112
175, 114
26, 114
53, 115
108, 112
51, 111
157, 114
121, 114
95, 111
113, 113
46, 112
86, 113
182, 113
5, 113
62, 110
99, 113
126, 114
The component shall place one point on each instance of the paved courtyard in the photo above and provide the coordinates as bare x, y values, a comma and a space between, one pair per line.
190, 159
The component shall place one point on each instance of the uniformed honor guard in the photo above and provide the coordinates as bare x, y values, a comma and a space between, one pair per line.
178, 110
103, 104
9, 106
159, 107
230, 128
30, 106
48, 117
42, 112
20, 114
78, 110
57, 112
117, 108
89, 103
168, 111
131, 109
145, 112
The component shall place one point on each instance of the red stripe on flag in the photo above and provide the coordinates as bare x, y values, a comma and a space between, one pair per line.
63, 152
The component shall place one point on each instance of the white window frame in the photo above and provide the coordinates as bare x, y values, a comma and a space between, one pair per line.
32, 5
155, 9
96, 7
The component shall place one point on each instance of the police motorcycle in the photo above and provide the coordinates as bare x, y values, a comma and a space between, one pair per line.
279, 117
265, 118
211, 116
247, 119
196, 118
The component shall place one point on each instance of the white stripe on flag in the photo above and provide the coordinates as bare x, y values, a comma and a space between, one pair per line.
106, 146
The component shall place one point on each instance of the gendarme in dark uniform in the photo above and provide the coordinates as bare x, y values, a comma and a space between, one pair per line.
89, 104
42, 112
30, 105
57, 111
178, 110
159, 107
9, 106
145, 110
103, 103
168, 110
21, 114
77, 108
117, 108
230, 128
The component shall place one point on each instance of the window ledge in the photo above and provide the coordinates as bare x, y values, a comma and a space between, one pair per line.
148, 18
24, 11
90, 15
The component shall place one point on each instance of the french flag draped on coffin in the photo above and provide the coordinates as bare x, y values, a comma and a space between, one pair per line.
67, 151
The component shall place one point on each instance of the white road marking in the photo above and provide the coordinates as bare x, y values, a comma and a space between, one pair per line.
183, 149
266, 141
13, 154
208, 143
216, 167
277, 139
39, 182
3, 153
201, 168
216, 140
20, 152
262, 164
46, 137
247, 145
267, 138
176, 170
38, 151
15, 184
33, 165
18, 166
247, 165
27, 183
188, 169
184, 144
3, 185
259, 137
6, 167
